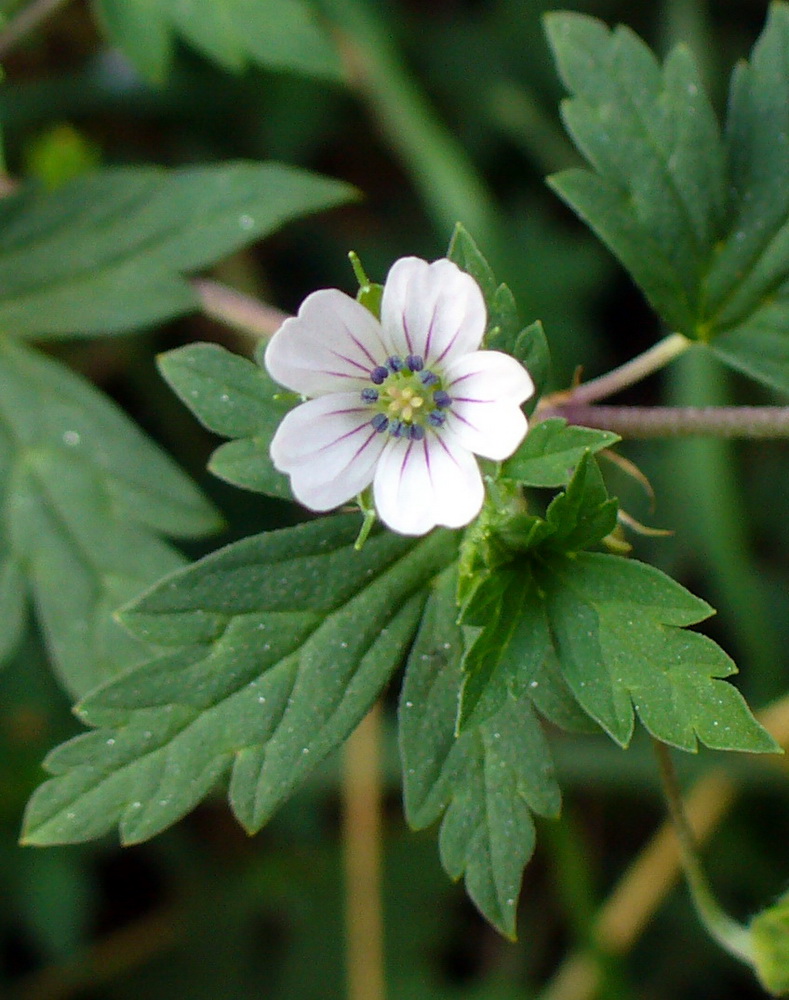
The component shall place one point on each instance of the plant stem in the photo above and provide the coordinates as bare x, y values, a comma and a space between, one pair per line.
240, 311
361, 791
676, 421
731, 936
25, 21
628, 374
624, 915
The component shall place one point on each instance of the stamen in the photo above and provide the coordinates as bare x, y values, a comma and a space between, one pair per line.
369, 395
397, 428
428, 378
442, 399
415, 362
395, 364
436, 418
416, 432
379, 375
380, 422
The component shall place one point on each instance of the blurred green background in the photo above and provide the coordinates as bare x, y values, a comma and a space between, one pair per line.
453, 114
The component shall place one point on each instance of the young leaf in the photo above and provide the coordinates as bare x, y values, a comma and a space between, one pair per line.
108, 252
487, 782
278, 34
278, 646
87, 498
551, 451
236, 398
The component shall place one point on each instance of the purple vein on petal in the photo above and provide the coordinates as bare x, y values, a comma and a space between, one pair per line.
356, 364
448, 348
430, 333
407, 333
361, 347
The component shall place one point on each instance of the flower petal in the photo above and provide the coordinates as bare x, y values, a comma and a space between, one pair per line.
487, 388
435, 311
328, 448
331, 346
421, 484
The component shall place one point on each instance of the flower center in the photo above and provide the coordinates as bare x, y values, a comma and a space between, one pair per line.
406, 398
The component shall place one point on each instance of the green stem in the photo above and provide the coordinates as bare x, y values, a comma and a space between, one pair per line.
25, 21
677, 421
730, 935
447, 180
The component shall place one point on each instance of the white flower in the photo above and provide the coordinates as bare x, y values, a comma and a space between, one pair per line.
404, 404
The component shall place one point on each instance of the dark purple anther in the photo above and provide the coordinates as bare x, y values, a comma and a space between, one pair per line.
428, 378
369, 395
379, 375
380, 422
436, 418
416, 432
442, 399
397, 428
415, 363
395, 364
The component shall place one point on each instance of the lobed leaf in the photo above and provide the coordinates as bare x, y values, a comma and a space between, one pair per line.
108, 252
278, 645
235, 398
748, 285
86, 499
486, 782
701, 223
277, 34
657, 193
563, 624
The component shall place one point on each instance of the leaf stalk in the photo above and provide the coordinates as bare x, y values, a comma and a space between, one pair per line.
676, 421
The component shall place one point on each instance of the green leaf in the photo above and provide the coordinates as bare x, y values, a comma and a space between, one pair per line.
770, 943
487, 782
86, 499
619, 632
551, 451
657, 196
701, 224
748, 285
278, 645
583, 514
512, 653
277, 34
108, 252
236, 398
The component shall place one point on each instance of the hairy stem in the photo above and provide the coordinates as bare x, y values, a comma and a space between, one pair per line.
362, 842
731, 936
628, 374
676, 421
25, 21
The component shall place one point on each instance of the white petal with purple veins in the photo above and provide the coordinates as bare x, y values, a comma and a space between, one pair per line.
487, 388
331, 346
421, 484
328, 449
435, 311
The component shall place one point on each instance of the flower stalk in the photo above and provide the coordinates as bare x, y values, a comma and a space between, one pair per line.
730, 935
644, 422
